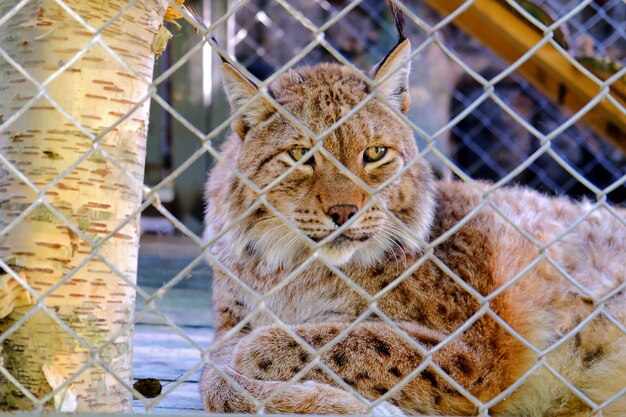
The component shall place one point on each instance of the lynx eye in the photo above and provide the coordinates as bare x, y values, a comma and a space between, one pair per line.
298, 152
374, 153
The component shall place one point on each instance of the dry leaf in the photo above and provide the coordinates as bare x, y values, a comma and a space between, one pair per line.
148, 387
172, 15
160, 40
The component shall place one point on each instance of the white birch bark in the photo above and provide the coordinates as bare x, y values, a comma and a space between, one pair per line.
95, 196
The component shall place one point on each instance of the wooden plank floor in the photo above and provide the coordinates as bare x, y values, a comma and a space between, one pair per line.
159, 351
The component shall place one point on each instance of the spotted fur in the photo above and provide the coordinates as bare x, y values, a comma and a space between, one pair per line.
488, 242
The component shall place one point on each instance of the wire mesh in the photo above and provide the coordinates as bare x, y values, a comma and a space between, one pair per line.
492, 125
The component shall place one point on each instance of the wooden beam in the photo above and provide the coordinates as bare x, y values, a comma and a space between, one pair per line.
510, 35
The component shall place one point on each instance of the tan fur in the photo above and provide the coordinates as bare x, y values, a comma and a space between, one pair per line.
485, 252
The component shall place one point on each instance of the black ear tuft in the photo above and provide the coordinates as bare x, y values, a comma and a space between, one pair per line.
398, 19
392, 73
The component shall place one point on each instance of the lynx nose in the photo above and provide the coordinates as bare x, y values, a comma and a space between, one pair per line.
341, 213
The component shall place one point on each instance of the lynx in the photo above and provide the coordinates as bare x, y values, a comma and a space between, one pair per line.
551, 275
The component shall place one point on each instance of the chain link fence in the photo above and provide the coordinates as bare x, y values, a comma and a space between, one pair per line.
481, 120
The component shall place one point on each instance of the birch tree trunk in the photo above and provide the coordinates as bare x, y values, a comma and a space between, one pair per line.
96, 197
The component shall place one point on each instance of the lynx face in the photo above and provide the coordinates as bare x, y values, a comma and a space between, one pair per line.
317, 196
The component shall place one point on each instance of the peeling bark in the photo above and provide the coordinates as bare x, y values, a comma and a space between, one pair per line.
96, 196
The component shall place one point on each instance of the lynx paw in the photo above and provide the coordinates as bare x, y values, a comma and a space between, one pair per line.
386, 409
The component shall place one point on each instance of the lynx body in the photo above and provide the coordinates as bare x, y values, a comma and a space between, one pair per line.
486, 243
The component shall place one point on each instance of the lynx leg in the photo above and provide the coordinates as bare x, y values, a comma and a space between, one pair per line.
372, 359
222, 396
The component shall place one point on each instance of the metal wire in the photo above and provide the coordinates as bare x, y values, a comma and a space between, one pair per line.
489, 94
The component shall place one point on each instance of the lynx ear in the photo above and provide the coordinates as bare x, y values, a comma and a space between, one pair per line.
395, 87
240, 92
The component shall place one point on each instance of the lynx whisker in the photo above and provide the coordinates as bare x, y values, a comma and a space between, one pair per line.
392, 244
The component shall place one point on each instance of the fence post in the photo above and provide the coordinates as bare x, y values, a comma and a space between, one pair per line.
61, 196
